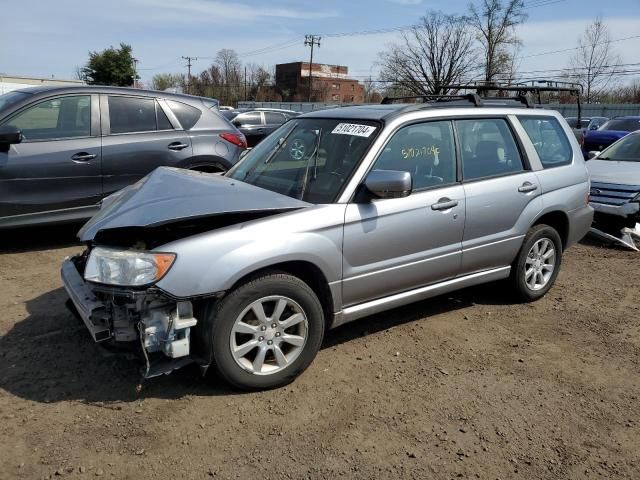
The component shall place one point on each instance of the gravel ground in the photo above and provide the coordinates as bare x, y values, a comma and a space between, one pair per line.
466, 385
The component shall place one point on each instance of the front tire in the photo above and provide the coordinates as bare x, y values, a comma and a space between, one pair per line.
266, 332
536, 268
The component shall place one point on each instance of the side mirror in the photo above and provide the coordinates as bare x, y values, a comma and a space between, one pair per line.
594, 127
389, 183
236, 123
9, 136
592, 154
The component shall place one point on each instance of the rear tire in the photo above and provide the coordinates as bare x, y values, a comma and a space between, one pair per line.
536, 268
266, 332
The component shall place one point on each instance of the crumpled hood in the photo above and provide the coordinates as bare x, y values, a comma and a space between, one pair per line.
610, 171
171, 194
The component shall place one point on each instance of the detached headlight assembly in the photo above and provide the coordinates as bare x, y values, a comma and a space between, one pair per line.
127, 267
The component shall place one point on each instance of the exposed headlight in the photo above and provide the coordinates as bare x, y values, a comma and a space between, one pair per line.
126, 267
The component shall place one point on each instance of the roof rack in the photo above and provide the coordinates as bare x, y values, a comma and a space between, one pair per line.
471, 97
479, 98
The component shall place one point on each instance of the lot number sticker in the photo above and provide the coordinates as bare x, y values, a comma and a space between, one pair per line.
353, 129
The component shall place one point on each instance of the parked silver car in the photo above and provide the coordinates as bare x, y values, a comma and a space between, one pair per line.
337, 215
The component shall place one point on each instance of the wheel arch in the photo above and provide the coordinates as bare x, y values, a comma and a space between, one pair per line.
306, 271
558, 220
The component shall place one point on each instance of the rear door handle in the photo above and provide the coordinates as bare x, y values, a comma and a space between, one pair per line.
83, 157
176, 146
527, 187
444, 204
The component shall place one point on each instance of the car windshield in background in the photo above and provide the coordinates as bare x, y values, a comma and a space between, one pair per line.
11, 98
308, 159
573, 122
622, 124
626, 150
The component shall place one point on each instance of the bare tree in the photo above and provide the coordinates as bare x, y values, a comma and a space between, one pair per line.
433, 54
595, 63
494, 22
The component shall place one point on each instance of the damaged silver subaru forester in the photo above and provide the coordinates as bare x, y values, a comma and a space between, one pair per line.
337, 215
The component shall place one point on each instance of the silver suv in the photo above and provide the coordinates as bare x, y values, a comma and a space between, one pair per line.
337, 215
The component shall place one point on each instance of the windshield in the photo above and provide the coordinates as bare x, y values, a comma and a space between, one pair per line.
626, 150
573, 122
622, 124
11, 98
309, 159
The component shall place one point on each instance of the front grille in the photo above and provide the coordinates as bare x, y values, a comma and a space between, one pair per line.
613, 194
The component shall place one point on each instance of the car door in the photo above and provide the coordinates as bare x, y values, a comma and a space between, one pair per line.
395, 245
55, 171
138, 137
251, 124
499, 188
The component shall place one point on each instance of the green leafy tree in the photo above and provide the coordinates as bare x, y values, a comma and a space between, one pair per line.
162, 81
110, 67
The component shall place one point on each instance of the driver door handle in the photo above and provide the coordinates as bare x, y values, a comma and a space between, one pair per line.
527, 187
83, 157
444, 204
176, 146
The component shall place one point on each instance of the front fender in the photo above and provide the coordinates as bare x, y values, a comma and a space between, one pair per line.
214, 261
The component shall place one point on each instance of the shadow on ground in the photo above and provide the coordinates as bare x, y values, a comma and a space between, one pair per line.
31, 239
50, 357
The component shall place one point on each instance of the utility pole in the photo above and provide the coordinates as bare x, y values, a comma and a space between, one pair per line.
245, 83
135, 72
189, 60
310, 41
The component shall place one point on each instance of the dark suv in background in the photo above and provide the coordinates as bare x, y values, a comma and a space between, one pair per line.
62, 150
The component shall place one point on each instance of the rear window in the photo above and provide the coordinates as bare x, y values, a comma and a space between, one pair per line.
187, 115
549, 140
622, 124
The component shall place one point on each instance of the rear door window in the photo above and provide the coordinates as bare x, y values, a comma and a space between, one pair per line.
549, 140
187, 115
488, 148
132, 114
272, 118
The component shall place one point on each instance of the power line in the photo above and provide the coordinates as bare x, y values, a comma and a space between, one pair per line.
576, 48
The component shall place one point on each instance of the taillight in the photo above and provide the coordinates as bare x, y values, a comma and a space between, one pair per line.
236, 138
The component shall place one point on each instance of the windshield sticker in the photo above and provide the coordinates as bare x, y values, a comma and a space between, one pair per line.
353, 129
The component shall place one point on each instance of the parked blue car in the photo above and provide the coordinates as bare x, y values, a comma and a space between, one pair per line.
610, 132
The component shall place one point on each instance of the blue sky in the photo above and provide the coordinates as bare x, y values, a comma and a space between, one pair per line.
44, 38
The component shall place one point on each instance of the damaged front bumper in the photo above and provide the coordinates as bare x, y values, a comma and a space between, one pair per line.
160, 325
618, 224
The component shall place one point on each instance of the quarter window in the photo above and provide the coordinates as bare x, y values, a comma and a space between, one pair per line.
487, 148
187, 115
131, 114
426, 150
57, 118
549, 140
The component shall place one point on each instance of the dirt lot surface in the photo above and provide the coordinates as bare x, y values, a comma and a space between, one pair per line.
462, 386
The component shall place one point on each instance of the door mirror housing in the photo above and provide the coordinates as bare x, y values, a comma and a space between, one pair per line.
9, 136
389, 183
593, 154
594, 126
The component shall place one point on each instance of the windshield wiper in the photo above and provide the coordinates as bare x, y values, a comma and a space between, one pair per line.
313, 156
281, 142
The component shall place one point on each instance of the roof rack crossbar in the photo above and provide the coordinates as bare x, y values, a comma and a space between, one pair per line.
471, 97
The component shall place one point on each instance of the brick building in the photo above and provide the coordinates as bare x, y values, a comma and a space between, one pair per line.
331, 83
